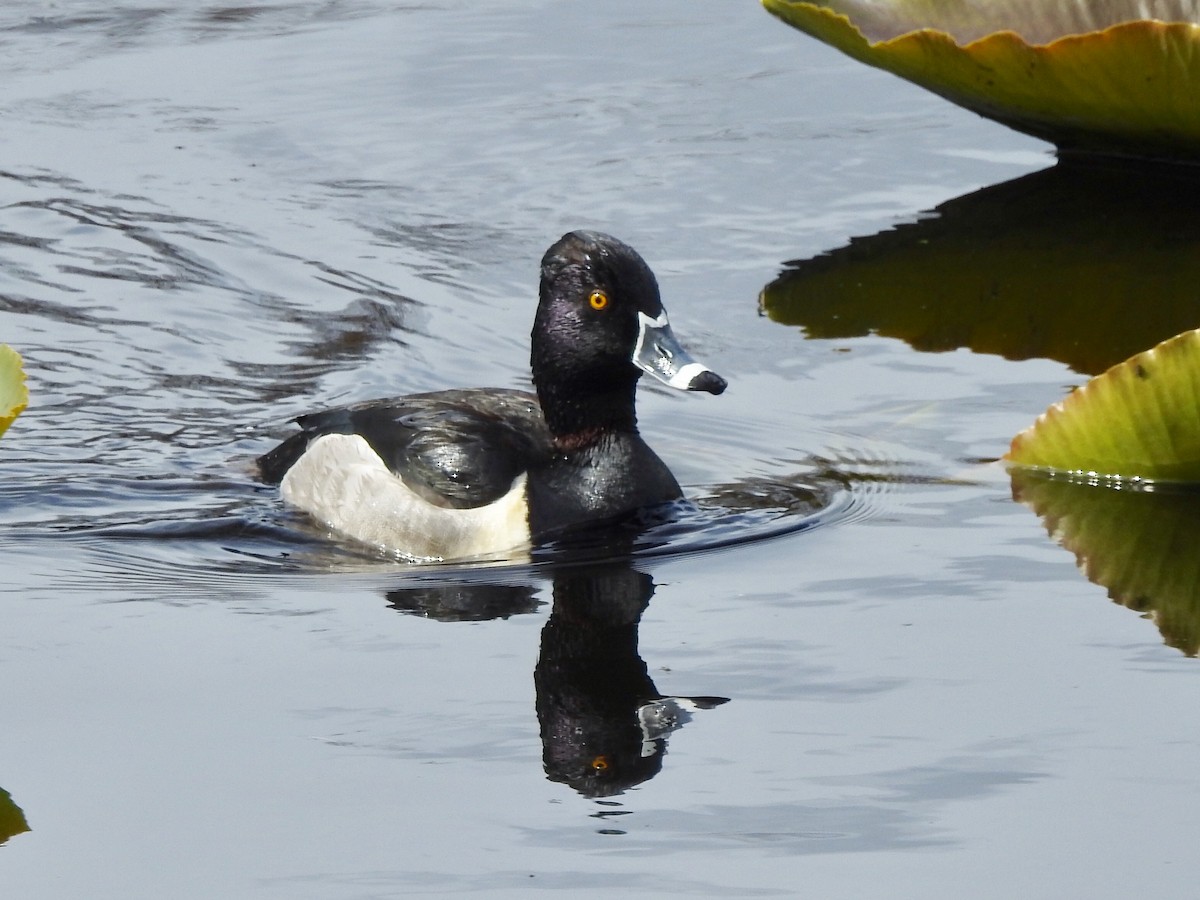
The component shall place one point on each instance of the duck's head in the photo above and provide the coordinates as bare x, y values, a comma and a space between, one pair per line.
600, 324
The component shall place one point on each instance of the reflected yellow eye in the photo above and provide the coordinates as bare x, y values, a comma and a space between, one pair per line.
598, 299
600, 763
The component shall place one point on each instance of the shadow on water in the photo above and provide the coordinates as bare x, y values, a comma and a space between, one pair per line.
603, 723
1084, 264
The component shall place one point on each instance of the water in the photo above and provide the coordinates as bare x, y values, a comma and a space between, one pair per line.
214, 218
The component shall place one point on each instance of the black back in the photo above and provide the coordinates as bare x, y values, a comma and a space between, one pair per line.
457, 449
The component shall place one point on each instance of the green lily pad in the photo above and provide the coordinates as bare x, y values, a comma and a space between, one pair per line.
12, 820
1139, 421
1084, 264
1116, 77
14, 396
1139, 545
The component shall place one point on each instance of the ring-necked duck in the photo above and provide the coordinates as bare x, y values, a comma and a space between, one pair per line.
463, 473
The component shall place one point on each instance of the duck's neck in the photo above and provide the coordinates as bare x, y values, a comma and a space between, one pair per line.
580, 418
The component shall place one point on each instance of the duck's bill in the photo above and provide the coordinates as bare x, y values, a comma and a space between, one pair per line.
660, 354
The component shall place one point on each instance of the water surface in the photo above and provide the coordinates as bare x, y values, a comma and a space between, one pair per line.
860, 668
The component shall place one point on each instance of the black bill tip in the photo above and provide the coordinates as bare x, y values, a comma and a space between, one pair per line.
709, 382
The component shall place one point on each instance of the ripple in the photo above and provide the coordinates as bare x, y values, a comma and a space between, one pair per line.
217, 538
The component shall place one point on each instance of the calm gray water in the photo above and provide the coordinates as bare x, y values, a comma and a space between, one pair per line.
214, 218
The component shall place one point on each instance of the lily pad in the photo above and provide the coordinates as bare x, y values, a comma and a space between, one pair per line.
12, 820
1139, 421
14, 395
1086, 264
1115, 77
1139, 545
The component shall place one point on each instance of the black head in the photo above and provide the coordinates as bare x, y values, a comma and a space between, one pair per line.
600, 323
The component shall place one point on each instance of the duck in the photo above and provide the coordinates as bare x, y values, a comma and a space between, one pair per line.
480, 472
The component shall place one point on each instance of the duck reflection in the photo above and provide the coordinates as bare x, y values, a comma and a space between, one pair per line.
1084, 263
603, 723
1138, 544
466, 602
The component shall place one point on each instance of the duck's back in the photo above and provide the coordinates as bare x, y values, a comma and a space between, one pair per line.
457, 449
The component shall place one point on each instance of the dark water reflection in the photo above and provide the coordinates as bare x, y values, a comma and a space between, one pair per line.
603, 724
1086, 264
467, 601
1137, 544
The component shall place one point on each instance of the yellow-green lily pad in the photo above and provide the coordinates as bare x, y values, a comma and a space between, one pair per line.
12, 820
1139, 421
1139, 545
14, 395
1114, 77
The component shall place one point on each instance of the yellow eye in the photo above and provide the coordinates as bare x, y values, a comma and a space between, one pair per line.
598, 299
600, 763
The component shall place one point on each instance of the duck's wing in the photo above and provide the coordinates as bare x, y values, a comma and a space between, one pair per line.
457, 449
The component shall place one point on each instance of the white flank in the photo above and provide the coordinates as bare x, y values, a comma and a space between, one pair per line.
342, 482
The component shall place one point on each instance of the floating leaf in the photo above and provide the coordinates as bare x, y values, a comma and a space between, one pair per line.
1054, 264
13, 394
12, 820
1139, 545
1140, 420
1114, 77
